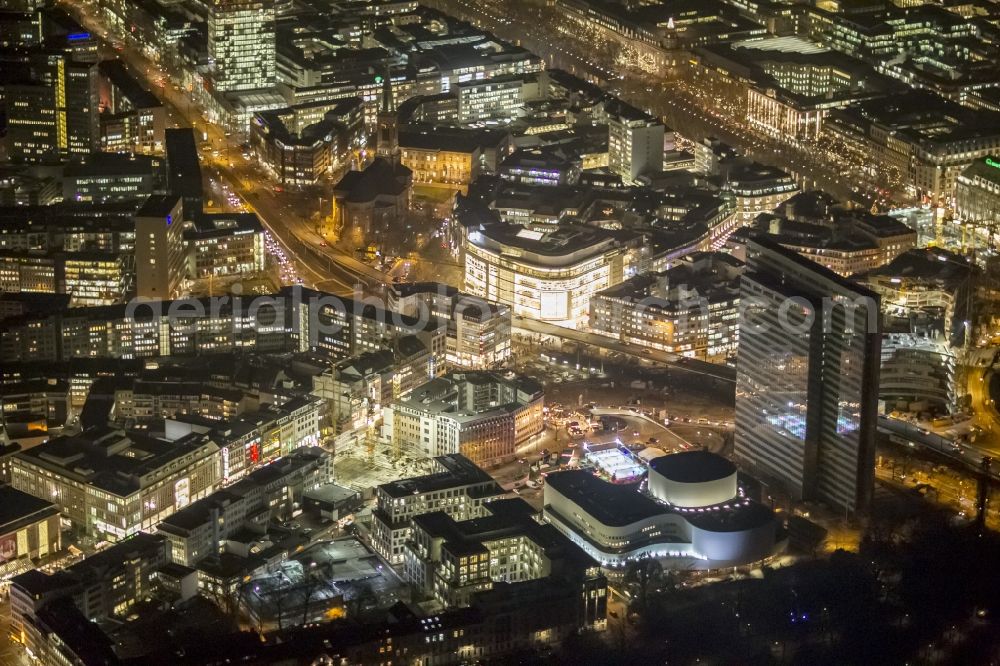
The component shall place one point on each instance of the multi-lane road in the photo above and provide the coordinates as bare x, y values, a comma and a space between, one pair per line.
694, 113
320, 265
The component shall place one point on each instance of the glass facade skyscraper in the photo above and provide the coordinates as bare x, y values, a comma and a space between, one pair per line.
241, 44
807, 378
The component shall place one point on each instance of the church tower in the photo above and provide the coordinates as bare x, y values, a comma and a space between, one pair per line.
387, 133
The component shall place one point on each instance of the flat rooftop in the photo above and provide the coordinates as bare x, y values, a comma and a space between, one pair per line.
612, 504
457, 471
456, 394
18, 509
111, 459
693, 467
565, 243
789, 44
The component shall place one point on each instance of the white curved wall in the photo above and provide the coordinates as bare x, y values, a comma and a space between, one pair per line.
666, 525
690, 495
668, 536
738, 547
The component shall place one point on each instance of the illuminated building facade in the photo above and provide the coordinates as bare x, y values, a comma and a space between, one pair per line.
926, 305
23, 272
111, 485
456, 486
105, 584
199, 530
339, 327
787, 84
29, 529
539, 167
357, 388
453, 561
635, 142
482, 415
807, 378
144, 401
241, 46
96, 278
52, 111
846, 240
923, 140
546, 275
90, 278
103, 178
479, 331
159, 249
439, 158
693, 309
224, 244
977, 196
302, 145
499, 99
758, 189
132, 119
692, 515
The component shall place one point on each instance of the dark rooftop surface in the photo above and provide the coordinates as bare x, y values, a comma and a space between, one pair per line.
200, 512
822, 272
84, 638
459, 471
620, 505
184, 169
561, 241
693, 467
403, 289
927, 264
986, 168
610, 503
380, 178
111, 459
16, 506
139, 97
158, 205
922, 116
112, 164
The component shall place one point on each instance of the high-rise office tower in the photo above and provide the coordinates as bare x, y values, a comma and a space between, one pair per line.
160, 259
635, 142
184, 169
51, 106
807, 378
241, 44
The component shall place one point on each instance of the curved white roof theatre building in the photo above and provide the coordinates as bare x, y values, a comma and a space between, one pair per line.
692, 517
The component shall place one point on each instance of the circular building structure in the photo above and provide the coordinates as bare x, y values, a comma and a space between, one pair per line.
692, 479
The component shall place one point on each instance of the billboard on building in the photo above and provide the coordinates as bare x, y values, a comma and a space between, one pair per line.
8, 548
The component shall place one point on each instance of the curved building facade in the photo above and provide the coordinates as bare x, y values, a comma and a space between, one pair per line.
616, 524
547, 275
692, 479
